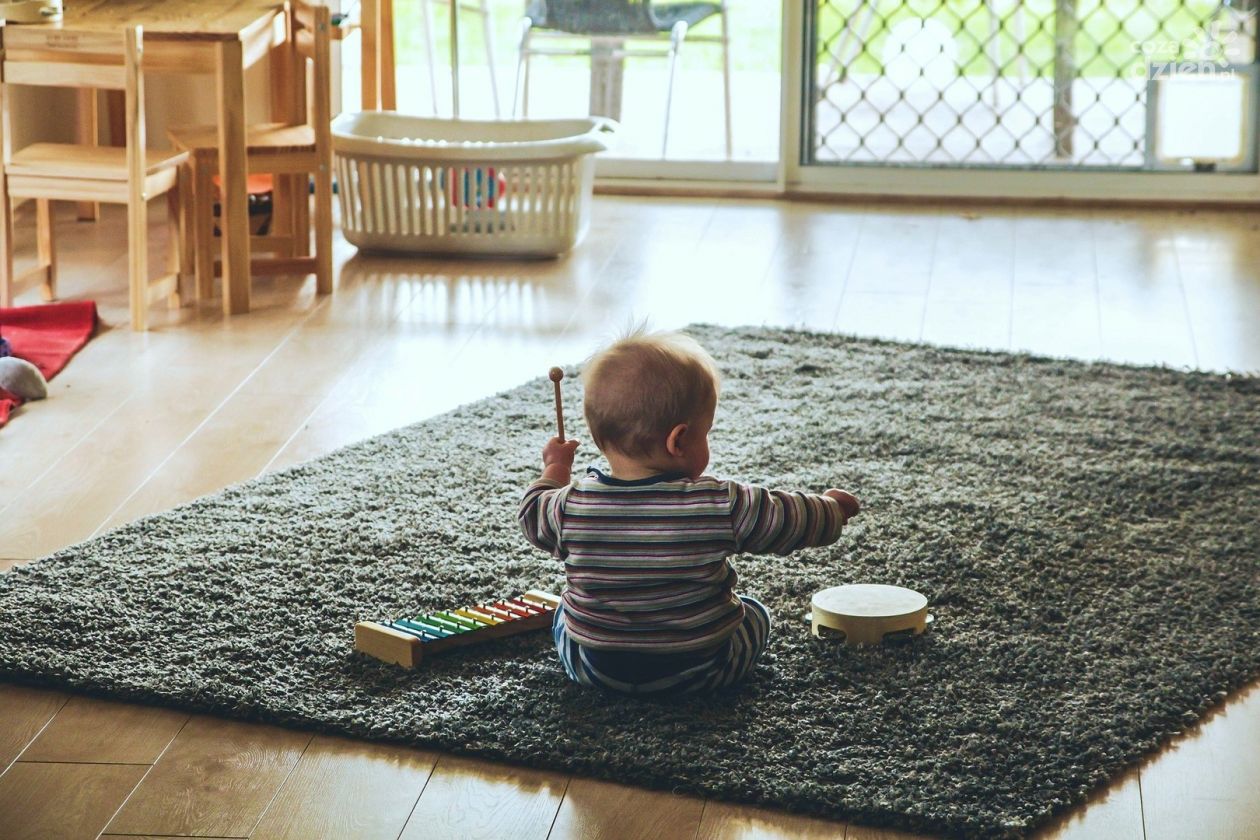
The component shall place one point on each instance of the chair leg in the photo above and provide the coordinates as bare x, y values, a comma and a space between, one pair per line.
301, 191
323, 230
47, 247
488, 31
183, 197
726, 81
6, 244
520, 92
138, 263
426, 24
175, 249
283, 214
202, 224
676, 37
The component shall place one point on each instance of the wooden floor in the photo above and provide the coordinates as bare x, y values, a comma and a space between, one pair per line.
139, 423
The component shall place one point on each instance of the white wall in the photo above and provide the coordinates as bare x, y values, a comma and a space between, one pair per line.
41, 114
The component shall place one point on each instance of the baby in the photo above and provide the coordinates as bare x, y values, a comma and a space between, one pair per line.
650, 607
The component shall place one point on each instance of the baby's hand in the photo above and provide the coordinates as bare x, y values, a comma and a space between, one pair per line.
559, 453
848, 502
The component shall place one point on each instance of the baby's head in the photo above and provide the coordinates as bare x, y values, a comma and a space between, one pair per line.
650, 399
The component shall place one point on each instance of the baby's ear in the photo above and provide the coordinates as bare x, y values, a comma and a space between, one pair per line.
674, 443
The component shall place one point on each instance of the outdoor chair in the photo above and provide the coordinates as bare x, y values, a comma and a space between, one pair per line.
609, 24
479, 7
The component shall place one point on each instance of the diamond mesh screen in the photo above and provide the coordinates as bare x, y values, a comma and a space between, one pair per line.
1044, 83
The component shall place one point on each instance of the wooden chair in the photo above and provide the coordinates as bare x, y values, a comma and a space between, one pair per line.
286, 150
48, 172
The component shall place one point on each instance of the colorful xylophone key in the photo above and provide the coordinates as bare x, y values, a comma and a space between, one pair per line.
407, 640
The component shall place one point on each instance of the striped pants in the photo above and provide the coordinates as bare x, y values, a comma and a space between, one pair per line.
645, 674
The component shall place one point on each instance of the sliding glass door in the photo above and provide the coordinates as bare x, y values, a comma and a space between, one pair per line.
1018, 97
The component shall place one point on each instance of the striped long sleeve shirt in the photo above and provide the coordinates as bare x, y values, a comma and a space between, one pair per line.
646, 561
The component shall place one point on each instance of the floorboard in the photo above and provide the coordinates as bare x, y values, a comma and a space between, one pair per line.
1208, 783
344, 788
725, 821
67, 801
25, 712
103, 731
1114, 813
594, 810
216, 778
467, 798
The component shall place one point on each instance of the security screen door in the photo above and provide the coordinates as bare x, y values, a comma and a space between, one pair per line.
1090, 85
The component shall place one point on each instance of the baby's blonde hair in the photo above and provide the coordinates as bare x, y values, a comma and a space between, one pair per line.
642, 386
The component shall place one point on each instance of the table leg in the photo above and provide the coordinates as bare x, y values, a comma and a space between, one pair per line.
234, 217
385, 43
377, 82
369, 65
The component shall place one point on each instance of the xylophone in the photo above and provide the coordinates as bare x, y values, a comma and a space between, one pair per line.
405, 641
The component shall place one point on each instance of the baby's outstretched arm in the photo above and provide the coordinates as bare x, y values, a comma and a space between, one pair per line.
779, 521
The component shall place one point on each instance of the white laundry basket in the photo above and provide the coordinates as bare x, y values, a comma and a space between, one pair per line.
491, 188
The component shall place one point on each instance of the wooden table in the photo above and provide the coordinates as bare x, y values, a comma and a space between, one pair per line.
212, 37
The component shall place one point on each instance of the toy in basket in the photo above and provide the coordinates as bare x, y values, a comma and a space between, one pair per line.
479, 192
477, 187
474, 187
867, 613
407, 641
31, 11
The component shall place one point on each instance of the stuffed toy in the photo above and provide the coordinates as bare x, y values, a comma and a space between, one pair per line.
22, 379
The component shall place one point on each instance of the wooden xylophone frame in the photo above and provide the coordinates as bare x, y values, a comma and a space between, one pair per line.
406, 641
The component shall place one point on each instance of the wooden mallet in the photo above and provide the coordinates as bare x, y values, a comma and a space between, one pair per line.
555, 375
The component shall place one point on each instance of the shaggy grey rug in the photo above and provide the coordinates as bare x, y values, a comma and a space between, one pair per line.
1086, 534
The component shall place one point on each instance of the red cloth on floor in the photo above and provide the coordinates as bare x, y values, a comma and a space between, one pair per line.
46, 336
